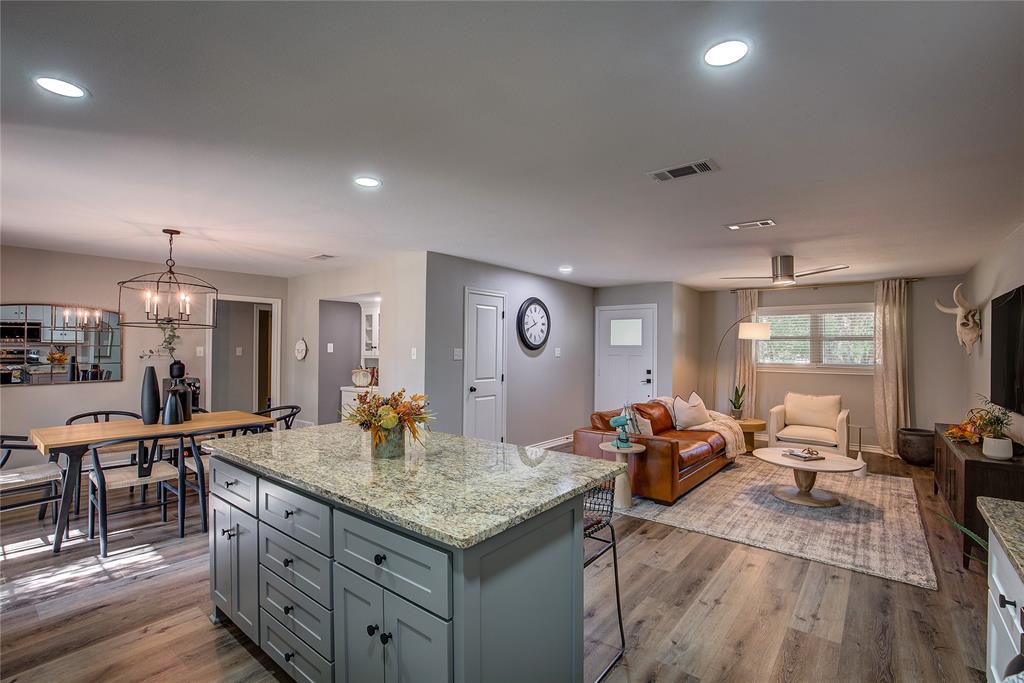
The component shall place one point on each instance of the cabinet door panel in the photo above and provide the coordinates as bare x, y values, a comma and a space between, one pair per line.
358, 604
247, 579
420, 646
221, 552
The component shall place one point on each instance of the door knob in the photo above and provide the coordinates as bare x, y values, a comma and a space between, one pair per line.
472, 389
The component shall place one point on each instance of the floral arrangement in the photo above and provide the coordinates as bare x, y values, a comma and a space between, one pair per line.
991, 421
58, 357
378, 414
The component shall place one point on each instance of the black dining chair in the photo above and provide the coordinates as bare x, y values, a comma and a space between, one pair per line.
149, 469
285, 414
46, 477
597, 516
97, 416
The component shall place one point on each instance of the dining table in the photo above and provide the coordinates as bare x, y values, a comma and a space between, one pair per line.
73, 442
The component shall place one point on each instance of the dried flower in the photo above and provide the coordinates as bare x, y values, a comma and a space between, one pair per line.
376, 413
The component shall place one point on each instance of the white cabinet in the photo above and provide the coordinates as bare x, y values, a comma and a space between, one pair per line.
370, 334
1005, 607
350, 396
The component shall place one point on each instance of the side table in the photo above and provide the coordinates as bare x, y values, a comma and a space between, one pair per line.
750, 426
623, 490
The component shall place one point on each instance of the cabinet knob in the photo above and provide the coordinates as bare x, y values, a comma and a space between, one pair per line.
288, 513
384, 638
1003, 602
288, 656
229, 484
288, 561
288, 609
379, 558
472, 389
370, 630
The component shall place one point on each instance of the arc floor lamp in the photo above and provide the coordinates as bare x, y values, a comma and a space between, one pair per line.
748, 330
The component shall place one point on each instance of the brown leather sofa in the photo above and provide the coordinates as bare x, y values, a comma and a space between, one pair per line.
675, 460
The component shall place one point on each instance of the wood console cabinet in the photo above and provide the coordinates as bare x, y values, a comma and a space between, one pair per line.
962, 474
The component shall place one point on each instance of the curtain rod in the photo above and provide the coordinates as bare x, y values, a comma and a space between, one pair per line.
787, 288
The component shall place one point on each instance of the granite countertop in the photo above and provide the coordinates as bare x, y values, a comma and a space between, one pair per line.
1006, 520
455, 490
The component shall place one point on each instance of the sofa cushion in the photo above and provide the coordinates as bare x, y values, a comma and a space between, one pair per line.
713, 439
816, 436
657, 413
693, 452
812, 411
600, 419
690, 412
638, 424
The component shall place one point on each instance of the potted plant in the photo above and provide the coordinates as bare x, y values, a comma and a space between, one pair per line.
387, 418
993, 421
736, 401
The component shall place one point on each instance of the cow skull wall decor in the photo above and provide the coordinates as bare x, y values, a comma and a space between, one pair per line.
968, 320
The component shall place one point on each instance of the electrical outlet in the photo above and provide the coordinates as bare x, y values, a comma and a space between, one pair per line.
199, 351
330, 347
238, 350
412, 353
456, 354
558, 352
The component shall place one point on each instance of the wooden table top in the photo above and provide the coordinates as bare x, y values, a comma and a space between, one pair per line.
752, 424
85, 433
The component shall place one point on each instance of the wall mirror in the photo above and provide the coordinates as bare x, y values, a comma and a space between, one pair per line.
52, 344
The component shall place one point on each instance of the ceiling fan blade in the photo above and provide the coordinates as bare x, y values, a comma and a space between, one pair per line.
816, 271
747, 277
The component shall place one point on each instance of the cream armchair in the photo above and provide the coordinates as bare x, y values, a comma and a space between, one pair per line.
816, 421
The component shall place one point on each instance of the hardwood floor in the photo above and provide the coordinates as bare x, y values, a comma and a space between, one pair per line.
697, 608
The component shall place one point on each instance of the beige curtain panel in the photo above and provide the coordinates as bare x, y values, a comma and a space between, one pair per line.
892, 405
746, 370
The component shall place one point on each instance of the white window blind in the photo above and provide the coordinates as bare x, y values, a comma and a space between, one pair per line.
834, 337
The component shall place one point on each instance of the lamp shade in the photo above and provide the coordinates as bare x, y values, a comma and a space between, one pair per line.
755, 331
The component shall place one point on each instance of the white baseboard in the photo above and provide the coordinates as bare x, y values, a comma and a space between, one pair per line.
553, 443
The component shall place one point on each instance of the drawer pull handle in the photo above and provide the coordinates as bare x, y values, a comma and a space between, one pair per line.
1003, 602
229, 484
288, 561
288, 609
384, 638
379, 558
288, 513
370, 630
227, 532
288, 656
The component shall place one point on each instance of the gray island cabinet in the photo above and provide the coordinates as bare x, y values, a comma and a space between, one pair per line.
462, 561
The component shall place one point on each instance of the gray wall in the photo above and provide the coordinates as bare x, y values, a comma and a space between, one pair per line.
339, 325
547, 396
232, 383
660, 293
999, 272
936, 363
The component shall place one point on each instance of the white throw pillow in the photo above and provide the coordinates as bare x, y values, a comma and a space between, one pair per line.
638, 423
813, 411
689, 413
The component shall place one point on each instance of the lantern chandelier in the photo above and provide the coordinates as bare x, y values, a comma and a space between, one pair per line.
167, 298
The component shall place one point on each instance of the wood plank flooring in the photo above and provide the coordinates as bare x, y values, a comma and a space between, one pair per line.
697, 608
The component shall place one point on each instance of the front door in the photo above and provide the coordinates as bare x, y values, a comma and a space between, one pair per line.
484, 366
625, 356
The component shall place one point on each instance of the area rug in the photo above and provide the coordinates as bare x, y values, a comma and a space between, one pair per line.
876, 530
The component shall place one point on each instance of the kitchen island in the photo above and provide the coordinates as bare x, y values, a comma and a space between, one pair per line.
462, 561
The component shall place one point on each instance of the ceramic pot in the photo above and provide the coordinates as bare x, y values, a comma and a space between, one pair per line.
997, 449
916, 446
736, 413
177, 369
393, 445
150, 396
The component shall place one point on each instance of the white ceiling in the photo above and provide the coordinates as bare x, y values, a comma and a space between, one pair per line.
889, 136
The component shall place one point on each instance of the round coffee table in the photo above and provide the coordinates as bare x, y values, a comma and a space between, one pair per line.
751, 426
623, 490
805, 473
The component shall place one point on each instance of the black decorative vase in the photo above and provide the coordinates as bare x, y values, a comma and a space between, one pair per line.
150, 396
172, 409
177, 370
73, 369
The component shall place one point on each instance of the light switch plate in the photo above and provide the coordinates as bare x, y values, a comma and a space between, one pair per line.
238, 350
456, 354
199, 351
558, 352
412, 353
330, 347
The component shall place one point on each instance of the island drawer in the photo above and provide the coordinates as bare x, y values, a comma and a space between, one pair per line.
302, 615
414, 570
300, 517
299, 660
234, 485
299, 565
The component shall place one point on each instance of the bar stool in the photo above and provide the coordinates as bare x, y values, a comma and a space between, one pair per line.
597, 516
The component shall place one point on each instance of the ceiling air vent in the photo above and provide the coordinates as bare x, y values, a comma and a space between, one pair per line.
322, 257
752, 225
694, 168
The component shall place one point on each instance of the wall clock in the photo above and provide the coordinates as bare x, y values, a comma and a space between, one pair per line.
301, 349
533, 323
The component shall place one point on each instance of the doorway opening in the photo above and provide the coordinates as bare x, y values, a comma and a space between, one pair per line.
243, 354
348, 340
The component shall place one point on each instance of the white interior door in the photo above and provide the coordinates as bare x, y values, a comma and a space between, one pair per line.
483, 413
625, 353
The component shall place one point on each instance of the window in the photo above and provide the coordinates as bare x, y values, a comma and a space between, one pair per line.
626, 332
823, 338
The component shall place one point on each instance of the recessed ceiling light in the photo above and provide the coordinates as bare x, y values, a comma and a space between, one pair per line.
59, 87
724, 54
565, 270
367, 181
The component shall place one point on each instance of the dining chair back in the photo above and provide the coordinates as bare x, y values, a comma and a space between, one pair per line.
101, 416
44, 477
283, 415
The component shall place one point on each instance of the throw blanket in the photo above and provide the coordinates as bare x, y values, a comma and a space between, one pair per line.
730, 430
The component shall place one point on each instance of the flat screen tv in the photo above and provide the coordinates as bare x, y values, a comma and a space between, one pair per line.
1006, 331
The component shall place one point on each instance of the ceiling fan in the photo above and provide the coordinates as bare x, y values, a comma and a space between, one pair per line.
783, 271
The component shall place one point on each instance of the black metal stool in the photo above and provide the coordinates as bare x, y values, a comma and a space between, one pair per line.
597, 516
